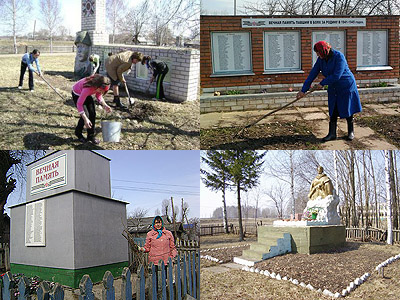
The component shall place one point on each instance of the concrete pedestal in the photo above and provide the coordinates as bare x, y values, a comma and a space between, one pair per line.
82, 225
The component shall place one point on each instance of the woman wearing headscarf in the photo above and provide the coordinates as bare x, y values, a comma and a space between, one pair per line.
343, 98
159, 242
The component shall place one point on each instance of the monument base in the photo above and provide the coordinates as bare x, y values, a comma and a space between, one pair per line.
281, 223
68, 277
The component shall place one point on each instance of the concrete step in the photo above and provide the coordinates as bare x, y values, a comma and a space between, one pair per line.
253, 255
261, 246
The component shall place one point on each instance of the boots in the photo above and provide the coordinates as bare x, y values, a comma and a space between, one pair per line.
350, 128
118, 102
332, 132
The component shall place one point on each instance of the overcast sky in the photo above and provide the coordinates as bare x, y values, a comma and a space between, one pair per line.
223, 7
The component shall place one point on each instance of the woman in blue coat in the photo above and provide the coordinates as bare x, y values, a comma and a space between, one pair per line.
343, 98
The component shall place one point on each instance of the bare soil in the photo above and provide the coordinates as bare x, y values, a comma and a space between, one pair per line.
43, 120
275, 135
332, 270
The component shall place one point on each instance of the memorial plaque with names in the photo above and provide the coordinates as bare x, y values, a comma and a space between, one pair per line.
35, 224
281, 51
231, 52
372, 48
335, 38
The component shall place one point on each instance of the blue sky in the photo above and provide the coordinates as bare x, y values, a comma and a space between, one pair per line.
151, 176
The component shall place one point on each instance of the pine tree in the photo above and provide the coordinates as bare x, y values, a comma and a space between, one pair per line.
217, 179
245, 168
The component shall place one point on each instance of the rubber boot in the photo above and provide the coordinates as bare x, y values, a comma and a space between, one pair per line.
118, 102
350, 129
332, 132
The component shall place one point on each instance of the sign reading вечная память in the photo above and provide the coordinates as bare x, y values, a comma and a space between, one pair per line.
49, 175
303, 22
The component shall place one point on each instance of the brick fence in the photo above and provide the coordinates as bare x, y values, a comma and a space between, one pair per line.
184, 68
245, 102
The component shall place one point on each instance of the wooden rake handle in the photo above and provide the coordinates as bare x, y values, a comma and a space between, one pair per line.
270, 113
52, 87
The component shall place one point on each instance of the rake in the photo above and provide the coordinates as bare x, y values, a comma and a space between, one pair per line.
52, 87
270, 113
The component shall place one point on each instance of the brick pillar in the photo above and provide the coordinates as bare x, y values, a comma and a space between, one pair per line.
93, 20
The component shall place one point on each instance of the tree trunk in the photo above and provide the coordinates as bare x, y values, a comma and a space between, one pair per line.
366, 191
240, 213
388, 199
224, 214
14, 28
393, 190
354, 218
292, 183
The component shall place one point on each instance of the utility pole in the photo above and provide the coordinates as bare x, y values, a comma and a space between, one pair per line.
34, 28
234, 7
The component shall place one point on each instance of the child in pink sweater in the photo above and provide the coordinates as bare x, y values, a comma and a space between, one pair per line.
82, 92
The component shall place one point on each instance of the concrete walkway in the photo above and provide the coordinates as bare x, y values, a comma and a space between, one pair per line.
365, 138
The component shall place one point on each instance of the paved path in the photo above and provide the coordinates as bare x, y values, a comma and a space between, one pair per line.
365, 138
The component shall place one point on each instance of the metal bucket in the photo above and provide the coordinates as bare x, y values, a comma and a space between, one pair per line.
111, 131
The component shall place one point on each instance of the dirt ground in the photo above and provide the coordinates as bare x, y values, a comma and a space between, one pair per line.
42, 120
377, 127
331, 270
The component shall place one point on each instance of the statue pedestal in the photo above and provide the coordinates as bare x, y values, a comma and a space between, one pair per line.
327, 209
303, 223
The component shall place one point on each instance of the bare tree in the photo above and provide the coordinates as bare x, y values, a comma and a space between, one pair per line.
50, 11
114, 10
138, 213
278, 195
388, 166
134, 21
13, 13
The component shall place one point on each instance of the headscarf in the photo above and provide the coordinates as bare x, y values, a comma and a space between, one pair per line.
162, 226
322, 48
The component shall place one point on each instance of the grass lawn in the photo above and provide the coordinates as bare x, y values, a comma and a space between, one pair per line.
42, 120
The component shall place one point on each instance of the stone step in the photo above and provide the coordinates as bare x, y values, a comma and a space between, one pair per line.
262, 246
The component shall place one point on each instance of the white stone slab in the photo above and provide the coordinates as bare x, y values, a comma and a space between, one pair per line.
304, 223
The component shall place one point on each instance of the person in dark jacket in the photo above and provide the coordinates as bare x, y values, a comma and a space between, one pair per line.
27, 62
159, 70
343, 97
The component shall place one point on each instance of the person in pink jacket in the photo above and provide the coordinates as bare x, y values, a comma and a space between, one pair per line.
82, 92
159, 243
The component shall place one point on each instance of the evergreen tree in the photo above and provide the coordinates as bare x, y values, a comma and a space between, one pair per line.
245, 168
217, 179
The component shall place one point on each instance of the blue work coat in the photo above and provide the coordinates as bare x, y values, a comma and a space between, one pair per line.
342, 87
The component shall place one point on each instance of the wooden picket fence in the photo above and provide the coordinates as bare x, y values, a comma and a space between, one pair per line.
180, 281
371, 234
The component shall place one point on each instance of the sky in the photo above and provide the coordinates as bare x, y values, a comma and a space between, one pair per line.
212, 200
145, 178
70, 11
222, 6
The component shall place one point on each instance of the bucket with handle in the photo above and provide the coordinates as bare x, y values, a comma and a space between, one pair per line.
111, 131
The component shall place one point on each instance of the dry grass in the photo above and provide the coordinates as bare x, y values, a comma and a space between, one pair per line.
43, 120
236, 284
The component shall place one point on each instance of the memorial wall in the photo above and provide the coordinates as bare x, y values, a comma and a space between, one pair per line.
260, 52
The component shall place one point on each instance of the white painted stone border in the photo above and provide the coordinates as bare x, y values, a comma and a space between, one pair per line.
209, 257
345, 292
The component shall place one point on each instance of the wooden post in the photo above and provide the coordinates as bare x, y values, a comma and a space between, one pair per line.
173, 216
108, 292
141, 287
